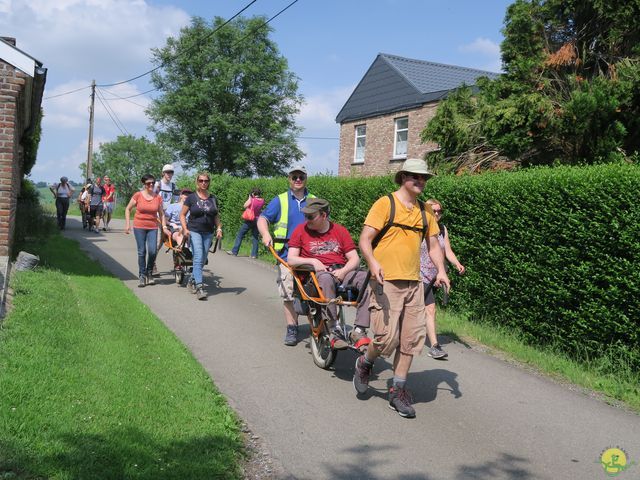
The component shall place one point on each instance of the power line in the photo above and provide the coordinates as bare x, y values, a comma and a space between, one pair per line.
67, 93
114, 117
118, 97
206, 37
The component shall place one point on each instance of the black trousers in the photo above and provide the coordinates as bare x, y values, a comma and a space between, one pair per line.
62, 207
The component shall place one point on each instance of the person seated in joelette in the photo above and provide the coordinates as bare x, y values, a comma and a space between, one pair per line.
330, 249
172, 214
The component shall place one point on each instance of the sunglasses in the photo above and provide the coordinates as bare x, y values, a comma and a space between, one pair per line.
417, 176
169, 171
149, 183
437, 212
295, 178
203, 180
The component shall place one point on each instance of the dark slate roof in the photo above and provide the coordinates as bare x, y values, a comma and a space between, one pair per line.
395, 83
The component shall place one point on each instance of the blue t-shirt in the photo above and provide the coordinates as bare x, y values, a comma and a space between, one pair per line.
296, 217
172, 213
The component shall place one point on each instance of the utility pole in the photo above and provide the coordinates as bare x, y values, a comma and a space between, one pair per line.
90, 152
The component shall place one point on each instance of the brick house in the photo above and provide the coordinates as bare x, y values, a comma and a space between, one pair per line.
22, 80
381, 122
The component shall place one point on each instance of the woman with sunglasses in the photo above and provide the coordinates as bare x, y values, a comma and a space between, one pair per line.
149, 212
428, 274
204, 220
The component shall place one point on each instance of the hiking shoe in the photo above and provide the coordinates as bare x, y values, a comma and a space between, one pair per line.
229, 252
291, 338
200, 293
361, 375
150, 280
191, 286
436, 352
338, 341
400, 401
142, 281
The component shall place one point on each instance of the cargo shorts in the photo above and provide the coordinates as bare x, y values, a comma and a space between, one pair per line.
284, 280
398, 316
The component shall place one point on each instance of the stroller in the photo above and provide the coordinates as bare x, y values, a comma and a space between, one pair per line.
182, 259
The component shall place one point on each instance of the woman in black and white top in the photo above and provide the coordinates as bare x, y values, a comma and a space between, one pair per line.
62, 192
204, 220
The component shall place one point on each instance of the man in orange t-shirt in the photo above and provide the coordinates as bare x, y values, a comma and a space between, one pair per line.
397, 307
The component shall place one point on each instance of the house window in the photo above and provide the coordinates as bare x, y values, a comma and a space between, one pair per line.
400, 141
361, 141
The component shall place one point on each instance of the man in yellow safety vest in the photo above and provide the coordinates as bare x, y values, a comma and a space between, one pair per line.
284, 212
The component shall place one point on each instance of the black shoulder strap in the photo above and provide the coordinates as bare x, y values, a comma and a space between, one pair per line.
391, 223
425, 224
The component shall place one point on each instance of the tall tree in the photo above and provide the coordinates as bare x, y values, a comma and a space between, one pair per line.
570, 92
126, 160
228, 99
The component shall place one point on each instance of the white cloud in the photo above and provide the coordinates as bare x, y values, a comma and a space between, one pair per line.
319, 110
486, 48
109, 40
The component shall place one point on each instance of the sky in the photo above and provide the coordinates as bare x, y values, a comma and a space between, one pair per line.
329, 45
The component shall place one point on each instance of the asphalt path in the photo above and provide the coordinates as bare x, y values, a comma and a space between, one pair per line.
478, 417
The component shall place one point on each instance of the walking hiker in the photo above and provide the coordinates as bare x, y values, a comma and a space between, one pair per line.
252, 208
166, 188
284, 212
428, 273
149, 212
108, 202
204, 220
62, 192
95, 192
390, 243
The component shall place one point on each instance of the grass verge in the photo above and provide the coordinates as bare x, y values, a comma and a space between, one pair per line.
611, 376
91, 392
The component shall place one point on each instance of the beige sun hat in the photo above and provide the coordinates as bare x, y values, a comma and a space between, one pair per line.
413, 165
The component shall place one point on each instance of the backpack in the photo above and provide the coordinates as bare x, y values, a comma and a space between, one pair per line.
391, 223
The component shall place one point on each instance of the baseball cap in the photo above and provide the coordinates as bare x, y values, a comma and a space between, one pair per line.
314, 205
167, 168
297, 168
413, 165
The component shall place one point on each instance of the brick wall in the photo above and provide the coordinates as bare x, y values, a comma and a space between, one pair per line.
12, 83
378, 157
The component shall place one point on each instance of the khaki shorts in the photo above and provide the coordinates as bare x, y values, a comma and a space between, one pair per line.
398, 317
284, 280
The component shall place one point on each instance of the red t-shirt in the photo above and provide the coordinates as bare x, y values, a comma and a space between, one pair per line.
146, 211
330, 247
107, 191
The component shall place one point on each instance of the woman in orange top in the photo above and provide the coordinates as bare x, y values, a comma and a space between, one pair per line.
145, 227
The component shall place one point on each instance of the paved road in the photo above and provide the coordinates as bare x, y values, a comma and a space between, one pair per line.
477, 416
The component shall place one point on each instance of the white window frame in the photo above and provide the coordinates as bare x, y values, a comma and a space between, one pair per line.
357, 159
396, 131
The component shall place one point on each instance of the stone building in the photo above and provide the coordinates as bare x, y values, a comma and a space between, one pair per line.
22, 80
380, 123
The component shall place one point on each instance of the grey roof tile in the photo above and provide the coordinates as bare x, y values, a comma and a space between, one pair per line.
394, 83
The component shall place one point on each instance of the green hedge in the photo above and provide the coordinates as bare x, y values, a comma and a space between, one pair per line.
552, 252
